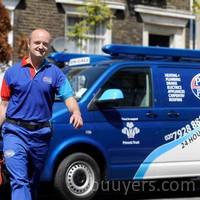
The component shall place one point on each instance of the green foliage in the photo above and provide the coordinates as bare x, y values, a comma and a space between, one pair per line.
5, 28
196, 6
93, 13
78, 32
97, 12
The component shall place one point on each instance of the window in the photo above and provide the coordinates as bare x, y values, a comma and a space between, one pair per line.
135, 86
82, 78
103, 36
159, 40
96, 39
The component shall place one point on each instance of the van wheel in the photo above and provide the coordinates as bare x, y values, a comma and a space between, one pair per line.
77, 177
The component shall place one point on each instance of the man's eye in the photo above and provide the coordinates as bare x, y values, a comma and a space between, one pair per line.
37, 42
45, 44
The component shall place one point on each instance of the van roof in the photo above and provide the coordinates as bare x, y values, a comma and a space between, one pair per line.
123, 50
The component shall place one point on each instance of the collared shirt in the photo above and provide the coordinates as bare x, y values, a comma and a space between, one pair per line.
31, 94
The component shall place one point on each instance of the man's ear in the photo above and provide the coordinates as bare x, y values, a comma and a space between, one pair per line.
28, 43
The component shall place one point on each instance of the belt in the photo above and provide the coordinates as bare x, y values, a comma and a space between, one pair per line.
28, 125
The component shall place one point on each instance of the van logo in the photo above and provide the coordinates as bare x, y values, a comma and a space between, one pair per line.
130, 130
195, 85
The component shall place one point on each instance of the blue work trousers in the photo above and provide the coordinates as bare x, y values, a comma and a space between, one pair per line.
25, 153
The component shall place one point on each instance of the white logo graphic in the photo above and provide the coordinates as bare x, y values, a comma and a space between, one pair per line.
47, 79
130, 130
9, 153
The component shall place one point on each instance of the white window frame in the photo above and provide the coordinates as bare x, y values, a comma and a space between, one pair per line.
111, 3
70, 8
102, 39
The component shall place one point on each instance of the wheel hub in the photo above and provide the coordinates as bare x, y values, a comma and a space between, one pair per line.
80, 178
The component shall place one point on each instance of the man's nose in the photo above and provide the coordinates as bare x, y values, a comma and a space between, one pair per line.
41, 46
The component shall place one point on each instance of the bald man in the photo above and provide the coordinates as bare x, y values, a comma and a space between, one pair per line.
28, 92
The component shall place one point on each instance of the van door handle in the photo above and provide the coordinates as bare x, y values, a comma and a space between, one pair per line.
173, 114
151, 115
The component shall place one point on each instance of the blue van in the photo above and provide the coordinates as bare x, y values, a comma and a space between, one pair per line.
141, 111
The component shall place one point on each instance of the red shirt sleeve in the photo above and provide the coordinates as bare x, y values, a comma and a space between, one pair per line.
5, 91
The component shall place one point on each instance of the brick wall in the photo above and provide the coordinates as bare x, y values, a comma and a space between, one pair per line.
177, 4
31, 14
127, 29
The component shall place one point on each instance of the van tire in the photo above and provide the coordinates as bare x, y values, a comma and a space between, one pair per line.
77, 177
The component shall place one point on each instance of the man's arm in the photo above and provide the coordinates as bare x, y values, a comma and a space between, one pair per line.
3, 108
73, 107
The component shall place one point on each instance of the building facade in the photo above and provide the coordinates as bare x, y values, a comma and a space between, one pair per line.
168, 23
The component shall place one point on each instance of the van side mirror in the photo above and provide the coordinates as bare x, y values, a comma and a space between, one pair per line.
110, 95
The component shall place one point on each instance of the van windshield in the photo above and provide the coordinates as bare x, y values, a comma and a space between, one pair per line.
82, 78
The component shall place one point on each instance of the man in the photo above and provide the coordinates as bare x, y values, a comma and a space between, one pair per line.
27, 94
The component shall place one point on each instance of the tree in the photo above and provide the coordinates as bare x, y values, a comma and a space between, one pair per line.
93, 13
22, 47
196, 6
5, 28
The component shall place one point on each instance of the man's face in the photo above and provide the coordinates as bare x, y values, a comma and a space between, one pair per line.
39, 43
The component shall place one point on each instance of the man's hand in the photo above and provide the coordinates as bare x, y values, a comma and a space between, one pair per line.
76, 120
3, 108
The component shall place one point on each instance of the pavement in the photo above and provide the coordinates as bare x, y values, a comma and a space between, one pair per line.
46, 192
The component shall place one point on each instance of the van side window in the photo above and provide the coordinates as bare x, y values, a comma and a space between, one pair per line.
135, 86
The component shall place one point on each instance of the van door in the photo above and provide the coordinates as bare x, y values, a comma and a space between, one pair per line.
126, 127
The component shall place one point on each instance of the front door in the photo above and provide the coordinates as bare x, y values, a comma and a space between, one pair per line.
127, 127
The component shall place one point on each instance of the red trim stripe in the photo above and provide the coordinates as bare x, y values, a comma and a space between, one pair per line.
24, 61
32, 71
5, 91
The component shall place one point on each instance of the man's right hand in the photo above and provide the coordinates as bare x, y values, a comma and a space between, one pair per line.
3, 108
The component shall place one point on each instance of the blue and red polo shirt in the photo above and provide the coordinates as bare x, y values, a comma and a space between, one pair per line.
31, 94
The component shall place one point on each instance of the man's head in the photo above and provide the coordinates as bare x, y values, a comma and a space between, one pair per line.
39, 43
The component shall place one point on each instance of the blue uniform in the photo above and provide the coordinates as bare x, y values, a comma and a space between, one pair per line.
26, 133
